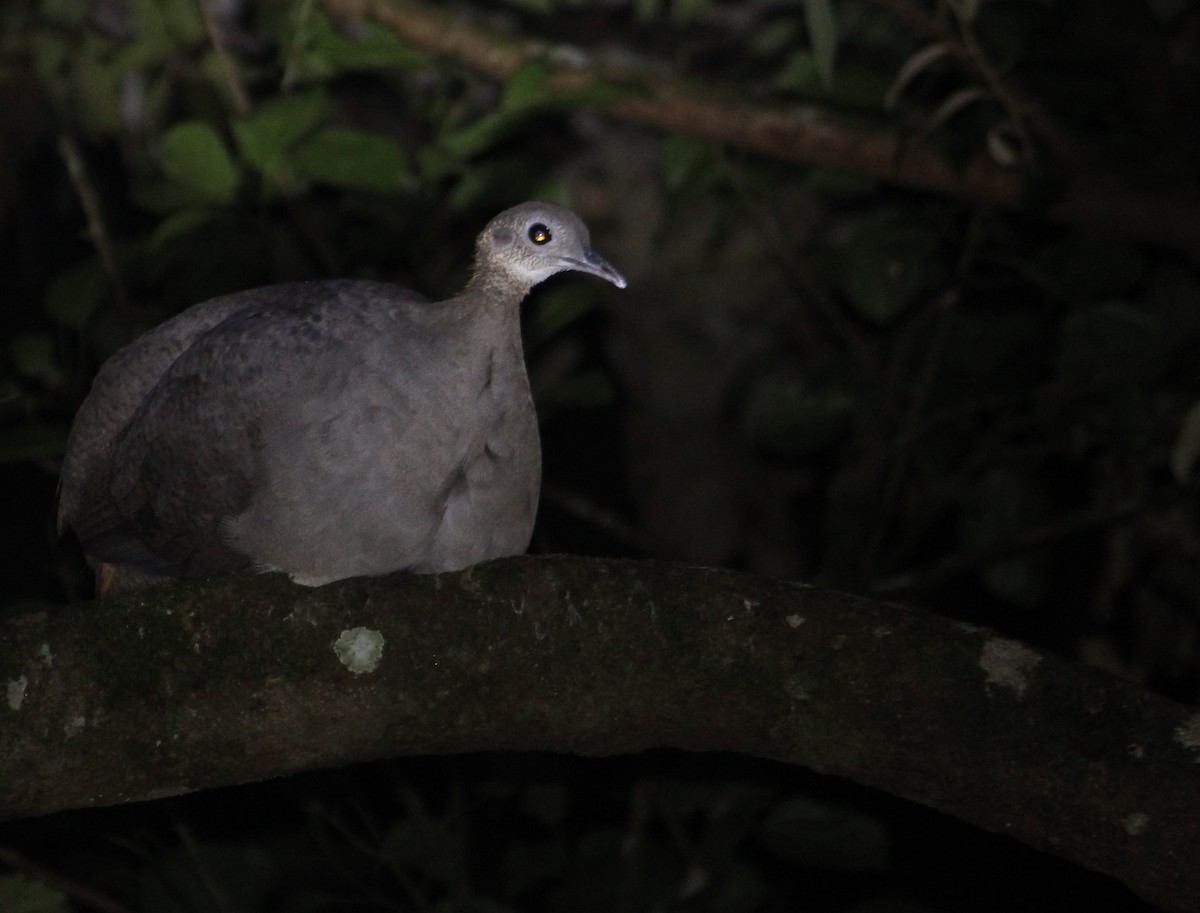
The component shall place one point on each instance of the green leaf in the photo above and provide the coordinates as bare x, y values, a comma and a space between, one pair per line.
691, 162
775, 37
525, 865
557, 309
193, 155
952, 105
585, 390
457, 146
473, 185
1000, 351
859, 87
915, 65
152, 40
1091, 266
822, 36
1003, 505
48, 52
838, 181
1186, 450
785, 418
546, 802
526, 88
525, 93
534, 6
75, 293
816, 834
647, 10
67, 13
354, 160
1114, 345
322, 49
684, 11
19, 894
264, 136
423, 845
31, 442
167, 196
1172, 293
33, 355
799, 74
1167, 10
177, 224
741, 889
180, 19
887, 262
240, 875
97, 88
966, 10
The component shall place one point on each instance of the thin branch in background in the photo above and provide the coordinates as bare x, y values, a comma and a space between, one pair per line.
810, 290
608, 522
909, 431
241, 100
291, 67
1042, 537
97, 229
81, 892
918, 421
809, 137
318, 246
200, 867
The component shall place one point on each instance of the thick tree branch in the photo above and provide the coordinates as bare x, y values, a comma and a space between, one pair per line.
809, 136
234, 680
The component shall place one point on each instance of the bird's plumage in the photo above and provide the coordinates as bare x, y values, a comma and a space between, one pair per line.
325, 429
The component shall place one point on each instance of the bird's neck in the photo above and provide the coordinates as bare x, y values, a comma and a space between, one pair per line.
491, 298
496, 284
486, 313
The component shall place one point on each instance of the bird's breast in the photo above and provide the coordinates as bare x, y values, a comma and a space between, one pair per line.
489, 497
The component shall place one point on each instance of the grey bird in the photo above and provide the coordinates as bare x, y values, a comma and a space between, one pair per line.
324, 429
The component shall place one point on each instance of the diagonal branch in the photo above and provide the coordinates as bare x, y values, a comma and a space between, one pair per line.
234, 680
808, 136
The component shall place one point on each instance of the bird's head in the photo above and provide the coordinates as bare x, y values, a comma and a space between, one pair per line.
531, 242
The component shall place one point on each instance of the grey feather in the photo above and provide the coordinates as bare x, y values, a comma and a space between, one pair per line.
325, 429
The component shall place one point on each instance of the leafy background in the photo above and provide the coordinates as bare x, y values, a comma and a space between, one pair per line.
814, 374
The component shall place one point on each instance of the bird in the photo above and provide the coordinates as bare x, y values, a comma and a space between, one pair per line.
325, 429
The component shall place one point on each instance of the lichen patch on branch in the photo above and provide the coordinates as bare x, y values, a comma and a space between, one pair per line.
359, 649
1187, 734
14, 692
1008, 663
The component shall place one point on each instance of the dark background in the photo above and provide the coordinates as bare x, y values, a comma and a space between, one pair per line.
814, 374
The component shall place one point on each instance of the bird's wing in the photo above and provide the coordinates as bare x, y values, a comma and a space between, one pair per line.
189, 452
119, 388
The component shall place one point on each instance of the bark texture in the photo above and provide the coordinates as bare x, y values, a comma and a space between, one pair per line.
243, 678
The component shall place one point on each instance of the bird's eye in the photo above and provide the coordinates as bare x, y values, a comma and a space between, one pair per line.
539, 233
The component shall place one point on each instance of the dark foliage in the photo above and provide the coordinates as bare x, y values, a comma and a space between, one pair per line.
814, 373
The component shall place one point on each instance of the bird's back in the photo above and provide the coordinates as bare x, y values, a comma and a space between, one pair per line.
162, 448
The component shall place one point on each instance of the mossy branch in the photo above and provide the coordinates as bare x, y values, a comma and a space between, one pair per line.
228, 681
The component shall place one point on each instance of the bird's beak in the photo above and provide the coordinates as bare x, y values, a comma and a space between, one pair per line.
593, 263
